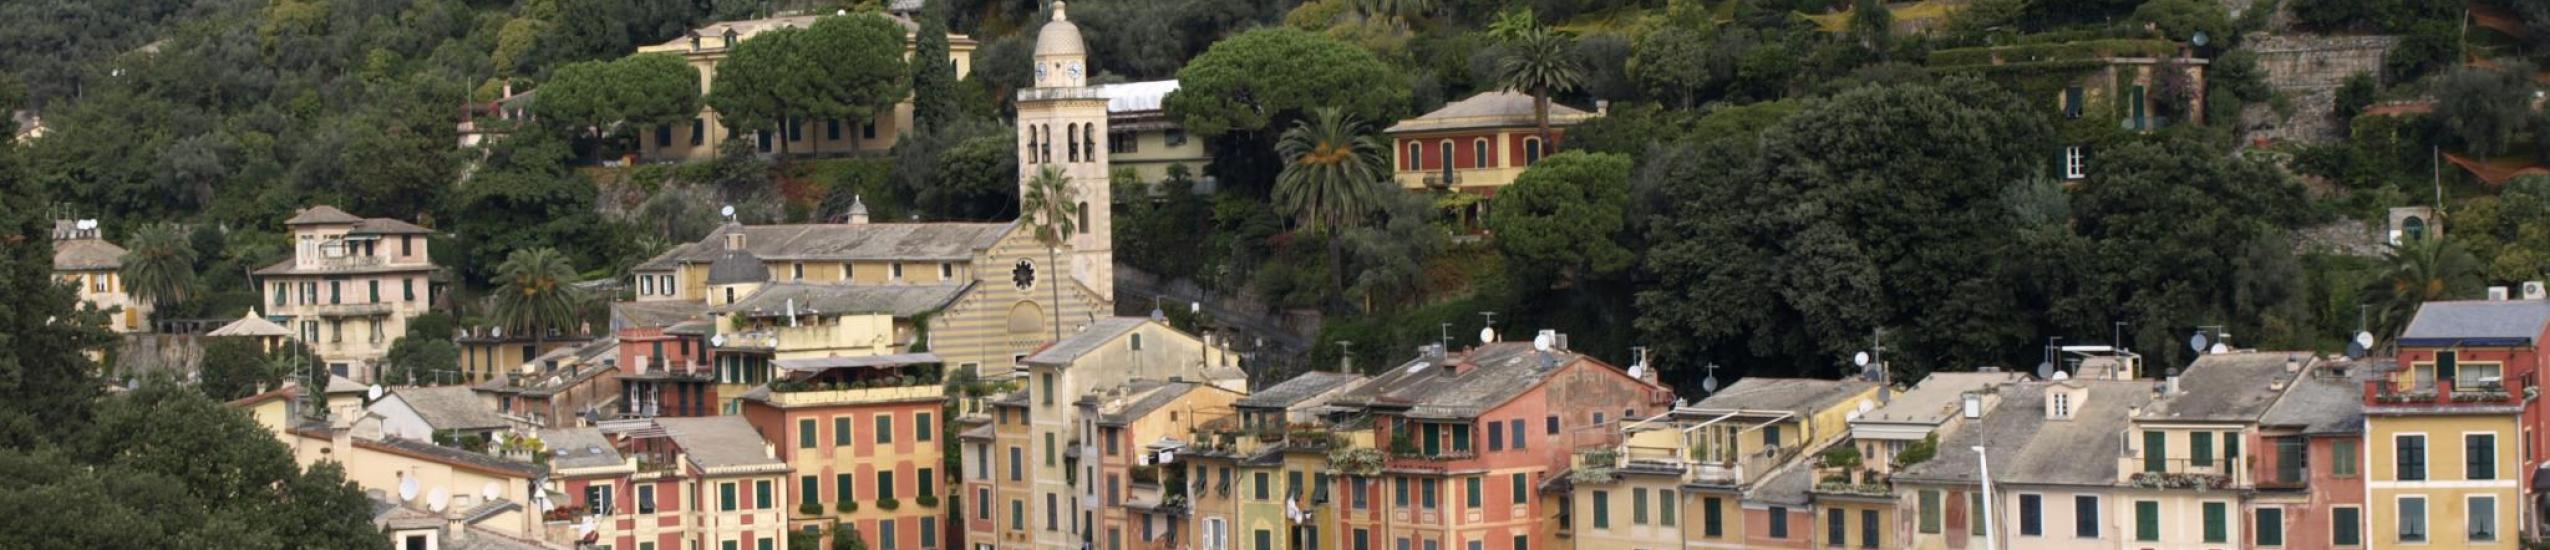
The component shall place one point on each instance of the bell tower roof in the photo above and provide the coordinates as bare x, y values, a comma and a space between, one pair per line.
1060, 37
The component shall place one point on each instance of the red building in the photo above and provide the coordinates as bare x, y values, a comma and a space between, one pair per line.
664, 368
1471, 437
1476, 145
2308, 458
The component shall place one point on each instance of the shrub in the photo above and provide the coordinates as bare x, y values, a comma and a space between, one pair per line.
926, 501
888, 504
810, 508
846, 506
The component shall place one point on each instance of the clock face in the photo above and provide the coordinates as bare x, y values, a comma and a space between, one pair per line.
1075, 70
1040, 72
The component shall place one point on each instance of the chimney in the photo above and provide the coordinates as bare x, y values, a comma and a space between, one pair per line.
2173, 381
1602, 107
735, 240
2293, 363
1973, 405
1562, 341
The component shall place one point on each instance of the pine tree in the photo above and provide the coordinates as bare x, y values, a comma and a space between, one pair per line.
46, 379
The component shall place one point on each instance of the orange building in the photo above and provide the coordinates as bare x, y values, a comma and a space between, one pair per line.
862, 437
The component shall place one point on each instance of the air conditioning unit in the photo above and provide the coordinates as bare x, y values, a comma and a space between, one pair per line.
2533, 290
2496, 294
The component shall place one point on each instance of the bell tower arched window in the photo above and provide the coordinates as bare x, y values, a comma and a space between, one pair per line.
1089, 141
1072, 132
1032, 143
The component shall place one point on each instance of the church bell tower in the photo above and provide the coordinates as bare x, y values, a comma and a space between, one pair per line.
1062, 124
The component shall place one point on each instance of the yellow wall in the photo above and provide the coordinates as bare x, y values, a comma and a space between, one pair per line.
2448, 486
813, 138
1624, 533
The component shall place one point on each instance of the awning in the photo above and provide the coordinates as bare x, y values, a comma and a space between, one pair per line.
820, 364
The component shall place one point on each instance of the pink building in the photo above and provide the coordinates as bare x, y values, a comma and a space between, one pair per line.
2308, 472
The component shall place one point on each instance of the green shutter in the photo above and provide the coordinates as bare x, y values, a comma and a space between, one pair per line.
1602, 509
805, 433
2346, 526
841, 431
1638, 506
2155, 451
2344, 453
1476, 487
2447, 364
2230, 447
809, 488
1930, 516
1712, 524
1664, 505
2146, 521
2270, 527
2217, 522
726, 497
2200, 448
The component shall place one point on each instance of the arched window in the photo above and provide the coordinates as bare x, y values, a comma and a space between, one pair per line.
1045, 151
1479, 149
1531, 151
1072, 132
1448, 159
1084, 217
2414, 228
1089, 141
1032, 143
1416, 156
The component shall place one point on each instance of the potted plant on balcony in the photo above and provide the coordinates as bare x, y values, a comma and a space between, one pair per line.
846, 506
888, 504
926, 500
810, 508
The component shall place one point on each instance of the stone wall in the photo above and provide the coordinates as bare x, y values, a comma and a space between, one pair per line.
2307, 70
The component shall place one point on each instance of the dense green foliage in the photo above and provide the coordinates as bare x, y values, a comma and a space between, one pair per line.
841, 67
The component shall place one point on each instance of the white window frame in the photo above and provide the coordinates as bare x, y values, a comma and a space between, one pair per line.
2425, 455
2019, 514
2493, 463
2062, 404
894, 271
1217, 534
947, 271
2075, 163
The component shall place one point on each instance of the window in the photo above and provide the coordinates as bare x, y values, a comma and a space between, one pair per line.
2293, 457
1867, 529
1664, 505
1638, 506
1602, 509
699, 131
2412, 519
2230, 449
1553, 424
1265, 540
2346, 526
2032, 515
921, 427
885, 485
885, 535
2483, 518
2075, 163
1770, 434
1836, 526
1496, 436
2073, 97
2217, 522
597, 498
1016, 464
805, 433
982, 503
2146, 520
809, 489
868, 130
646, 498
1017, 515
1516, 427
2270, 527
930, 531
1259, 491
2200, 449
925, 482
408, 288
2479, 456
1531, 151
664, 136
2342, 458
726, 497
1173, 137
1479, 153
894, 271
832, 129
841, 431
841, 488
2410, 455
374, 290
761, 495
1399, 490
1050, 512
1416, 156
1712, 520
1930, 513
885, 428
1598, 418
2062, 405
1427, 493
2155, 451
1474, 493
1779, 522
796, 129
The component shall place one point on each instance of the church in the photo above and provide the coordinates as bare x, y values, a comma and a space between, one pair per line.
978, 296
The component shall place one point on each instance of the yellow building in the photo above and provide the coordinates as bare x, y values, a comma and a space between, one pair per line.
705, 46
1141, 427
83, 258
1143, 139
1062, 444
350, 287
2181, 485
1722, 473
2442, 464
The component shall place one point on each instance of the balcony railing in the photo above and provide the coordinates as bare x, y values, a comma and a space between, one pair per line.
2441, 393
861, 395
345, 263
2182, 473
342, 310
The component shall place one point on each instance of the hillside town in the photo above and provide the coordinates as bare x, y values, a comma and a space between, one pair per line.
1275, 274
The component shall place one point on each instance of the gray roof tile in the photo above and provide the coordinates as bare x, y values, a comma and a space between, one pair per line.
720, 442
1089, 339
450, 407
2028, 448
2226, 387
2477, 322
1490, 375
843, 299
1798, 395
1299, 390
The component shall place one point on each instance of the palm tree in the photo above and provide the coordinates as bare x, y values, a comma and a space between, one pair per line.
1332, 177
535, 293
1051, 202
159, 264
1541, 62
2415, 271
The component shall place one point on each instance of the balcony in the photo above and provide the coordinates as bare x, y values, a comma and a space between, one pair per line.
373, 309
2392, 393
343, 263
792, 395
2180, 473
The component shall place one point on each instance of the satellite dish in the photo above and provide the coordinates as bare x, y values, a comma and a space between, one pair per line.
2045, 370
2355, 350
406, 487
2219, 348
1487, 336
1709, 384
2199, 39
2365, 339
85, 225
493, 491
2196, 343
374, 392
2060, 375
718, 340
498, 332
1541, 342
1168, 456
439, 500
1638, 371
727, 211
1195, 307
1860, 359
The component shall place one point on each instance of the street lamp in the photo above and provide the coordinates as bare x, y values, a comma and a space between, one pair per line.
1984, 463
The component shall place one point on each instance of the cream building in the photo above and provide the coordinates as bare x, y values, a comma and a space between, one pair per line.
82, 257
1143, 139
705, 46
350, 287
1107, 355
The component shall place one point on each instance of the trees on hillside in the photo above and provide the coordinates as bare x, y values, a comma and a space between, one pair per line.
1252, 86
159, 264
642, 91
841, 67
1561, 221
536, 294
1333, 176
1540, 62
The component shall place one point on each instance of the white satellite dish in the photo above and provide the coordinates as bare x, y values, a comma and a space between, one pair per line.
1860, 359
493, 491
2196, 343
718, 340
439, 500
2218, 348
1168, 456
1709, 384
406, 487
1638, 371
498, 332
1541, 342
727, 211
374, 392
2060, 375
2365, 339
1487, 336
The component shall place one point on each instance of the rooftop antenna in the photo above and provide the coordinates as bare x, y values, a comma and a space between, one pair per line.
1443, 337
1638, 363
